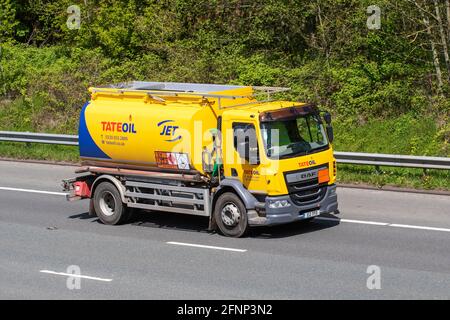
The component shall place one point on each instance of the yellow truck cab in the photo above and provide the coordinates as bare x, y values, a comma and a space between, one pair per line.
229, 153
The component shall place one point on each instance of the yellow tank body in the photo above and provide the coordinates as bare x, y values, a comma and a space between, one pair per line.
137, 130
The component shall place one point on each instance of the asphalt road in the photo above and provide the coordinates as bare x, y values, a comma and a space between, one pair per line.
406, 236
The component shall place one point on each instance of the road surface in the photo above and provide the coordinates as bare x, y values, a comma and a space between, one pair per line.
386, 245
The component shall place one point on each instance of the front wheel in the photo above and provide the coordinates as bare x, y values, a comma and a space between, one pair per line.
231, 215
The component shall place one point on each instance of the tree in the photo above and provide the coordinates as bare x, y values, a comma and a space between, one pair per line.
8, 20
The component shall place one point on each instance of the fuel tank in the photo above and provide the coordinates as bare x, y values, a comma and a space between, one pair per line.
149, 130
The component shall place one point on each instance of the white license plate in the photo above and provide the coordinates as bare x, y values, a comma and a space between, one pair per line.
311, 214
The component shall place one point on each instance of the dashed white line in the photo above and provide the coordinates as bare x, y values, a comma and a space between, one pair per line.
33, 191
205, 247
394, 225
75, 275
354, 221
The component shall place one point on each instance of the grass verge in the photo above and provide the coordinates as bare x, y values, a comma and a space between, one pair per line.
29, 151
387, 176
396, 177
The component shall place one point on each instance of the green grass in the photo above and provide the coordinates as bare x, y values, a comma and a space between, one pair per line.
396, 177
31, 151
388, 176
406, 134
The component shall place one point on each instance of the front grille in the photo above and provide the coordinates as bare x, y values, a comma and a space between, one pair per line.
307, 191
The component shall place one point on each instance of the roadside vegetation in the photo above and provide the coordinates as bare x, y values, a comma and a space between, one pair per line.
387, 88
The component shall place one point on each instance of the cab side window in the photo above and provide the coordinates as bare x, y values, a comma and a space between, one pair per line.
245, 142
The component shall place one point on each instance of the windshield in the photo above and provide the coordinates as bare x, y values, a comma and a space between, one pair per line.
293, 137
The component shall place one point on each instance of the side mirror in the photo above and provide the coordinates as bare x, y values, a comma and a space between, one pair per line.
327, 118
330, 133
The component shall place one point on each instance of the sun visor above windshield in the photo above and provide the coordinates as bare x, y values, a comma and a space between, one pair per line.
287, 113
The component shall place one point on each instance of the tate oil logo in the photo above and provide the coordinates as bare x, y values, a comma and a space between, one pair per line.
169, 130
307, 163
252, 172
125, 127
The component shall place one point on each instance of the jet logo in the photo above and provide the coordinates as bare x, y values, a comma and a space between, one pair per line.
169, 130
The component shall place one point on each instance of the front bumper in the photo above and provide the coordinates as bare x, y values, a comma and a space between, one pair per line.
274, 216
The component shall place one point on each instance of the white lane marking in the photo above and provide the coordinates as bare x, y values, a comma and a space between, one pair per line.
394, 225
354, 221
75, 275
33, 191
206, 247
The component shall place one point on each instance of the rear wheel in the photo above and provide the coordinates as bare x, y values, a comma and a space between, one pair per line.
231, 215
108, 204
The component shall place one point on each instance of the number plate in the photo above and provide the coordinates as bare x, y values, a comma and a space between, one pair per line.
311, 214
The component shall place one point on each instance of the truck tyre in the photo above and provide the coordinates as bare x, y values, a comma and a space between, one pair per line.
231, 215
92, 208
108, 204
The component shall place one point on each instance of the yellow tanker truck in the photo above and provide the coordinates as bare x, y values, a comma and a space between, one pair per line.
229, 153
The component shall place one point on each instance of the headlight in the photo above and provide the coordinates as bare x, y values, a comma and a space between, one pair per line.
274, 204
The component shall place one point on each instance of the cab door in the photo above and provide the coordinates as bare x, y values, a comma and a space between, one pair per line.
241, 153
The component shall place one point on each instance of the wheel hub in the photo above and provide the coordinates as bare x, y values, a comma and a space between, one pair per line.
107, 204
230, 214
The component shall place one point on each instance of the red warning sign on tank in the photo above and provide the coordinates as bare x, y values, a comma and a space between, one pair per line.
172, 160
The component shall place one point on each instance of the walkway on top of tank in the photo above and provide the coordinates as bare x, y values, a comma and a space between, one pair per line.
175, 86
204, 88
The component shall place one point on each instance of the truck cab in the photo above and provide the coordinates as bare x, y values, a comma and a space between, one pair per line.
282, 155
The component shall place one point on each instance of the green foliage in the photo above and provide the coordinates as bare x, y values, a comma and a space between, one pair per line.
368, 89
410, 178
379, 85
7, 19
406, 134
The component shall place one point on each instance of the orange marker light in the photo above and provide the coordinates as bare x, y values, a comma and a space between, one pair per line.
324, 176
